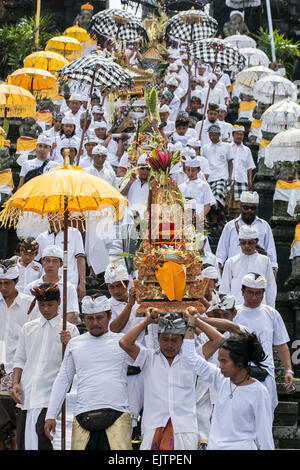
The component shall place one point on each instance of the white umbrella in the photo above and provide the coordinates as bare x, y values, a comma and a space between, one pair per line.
240, 41
255, 56
274, 88
284, 147
280, 116
242, 3
246, 79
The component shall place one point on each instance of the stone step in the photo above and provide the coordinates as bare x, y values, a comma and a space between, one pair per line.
286, 414
284, 432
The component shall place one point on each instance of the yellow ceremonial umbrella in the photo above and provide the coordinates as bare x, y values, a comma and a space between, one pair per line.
46, 60
70, 48
80, 34
56, 194
15, 101
37, 81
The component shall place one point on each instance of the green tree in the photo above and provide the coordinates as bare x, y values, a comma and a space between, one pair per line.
285, 49
18, 41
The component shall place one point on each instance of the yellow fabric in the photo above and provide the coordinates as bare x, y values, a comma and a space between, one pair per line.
230, 88
32, 79
46, 60
256, 123
297, 234
118, 434
6, 178
1, 141
16, 101
247, 105
171, 278
26, 144
70, 48
44, 117
44, 194
78, 33
264, 143
281, 184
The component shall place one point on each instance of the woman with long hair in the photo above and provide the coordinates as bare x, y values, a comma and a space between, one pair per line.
242, 416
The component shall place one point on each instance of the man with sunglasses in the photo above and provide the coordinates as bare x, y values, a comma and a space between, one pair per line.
248, 261
228, 244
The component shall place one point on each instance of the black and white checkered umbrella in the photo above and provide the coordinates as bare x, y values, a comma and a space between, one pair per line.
117, 24
218, 54
243, 3
108, 74
191, 25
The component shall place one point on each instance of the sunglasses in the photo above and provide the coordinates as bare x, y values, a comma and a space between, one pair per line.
247, 242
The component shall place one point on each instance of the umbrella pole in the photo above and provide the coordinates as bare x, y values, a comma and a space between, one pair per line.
208, 92
189, 69
85, 119
271, 30
65, 279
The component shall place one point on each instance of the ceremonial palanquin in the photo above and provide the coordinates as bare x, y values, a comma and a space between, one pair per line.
167, 260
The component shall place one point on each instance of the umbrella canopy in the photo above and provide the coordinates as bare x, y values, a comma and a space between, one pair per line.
108, 74
181, 5
217, 52
70, 48
240, 41
255, 56
191, 25
118, 24
280, 116
78, 33
274, 88
37, 81
246, 79
45, 194
151, 4
285, 146
45, 60
16, 102
242, 3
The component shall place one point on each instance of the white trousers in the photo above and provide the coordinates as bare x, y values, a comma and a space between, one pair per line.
31, 437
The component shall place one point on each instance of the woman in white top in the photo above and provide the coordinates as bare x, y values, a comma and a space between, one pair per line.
242, 415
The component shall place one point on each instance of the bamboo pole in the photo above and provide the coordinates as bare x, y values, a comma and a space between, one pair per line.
37, 23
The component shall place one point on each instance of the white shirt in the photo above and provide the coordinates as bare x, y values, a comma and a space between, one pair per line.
105, 174
216, 95
117, 308
240, 422
138, 196
184, 139
238, 266
101, 370
198, 190
269, 327
228, 244
34, 164
75, 249
56, 155
218, 156
205, 135
72, 298
11, 321
169, 391
28, 274
39, 354
242, 162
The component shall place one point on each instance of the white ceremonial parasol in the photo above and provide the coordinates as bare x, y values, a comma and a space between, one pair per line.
274, 88
280, 116
255, 56
284, 147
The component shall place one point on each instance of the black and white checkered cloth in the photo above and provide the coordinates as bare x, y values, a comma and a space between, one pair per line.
109, 74
219, 190
238, 188
178, 28
242, 3
103, 23
228, 56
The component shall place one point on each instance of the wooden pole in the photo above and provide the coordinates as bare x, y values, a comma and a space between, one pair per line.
85, 119
65, 280
37, 22
208, 92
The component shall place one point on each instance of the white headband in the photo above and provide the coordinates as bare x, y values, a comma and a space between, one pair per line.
254, 281
11, 272
95, 305
210, 272
53, 250
115, 273
247, 233
251, 197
